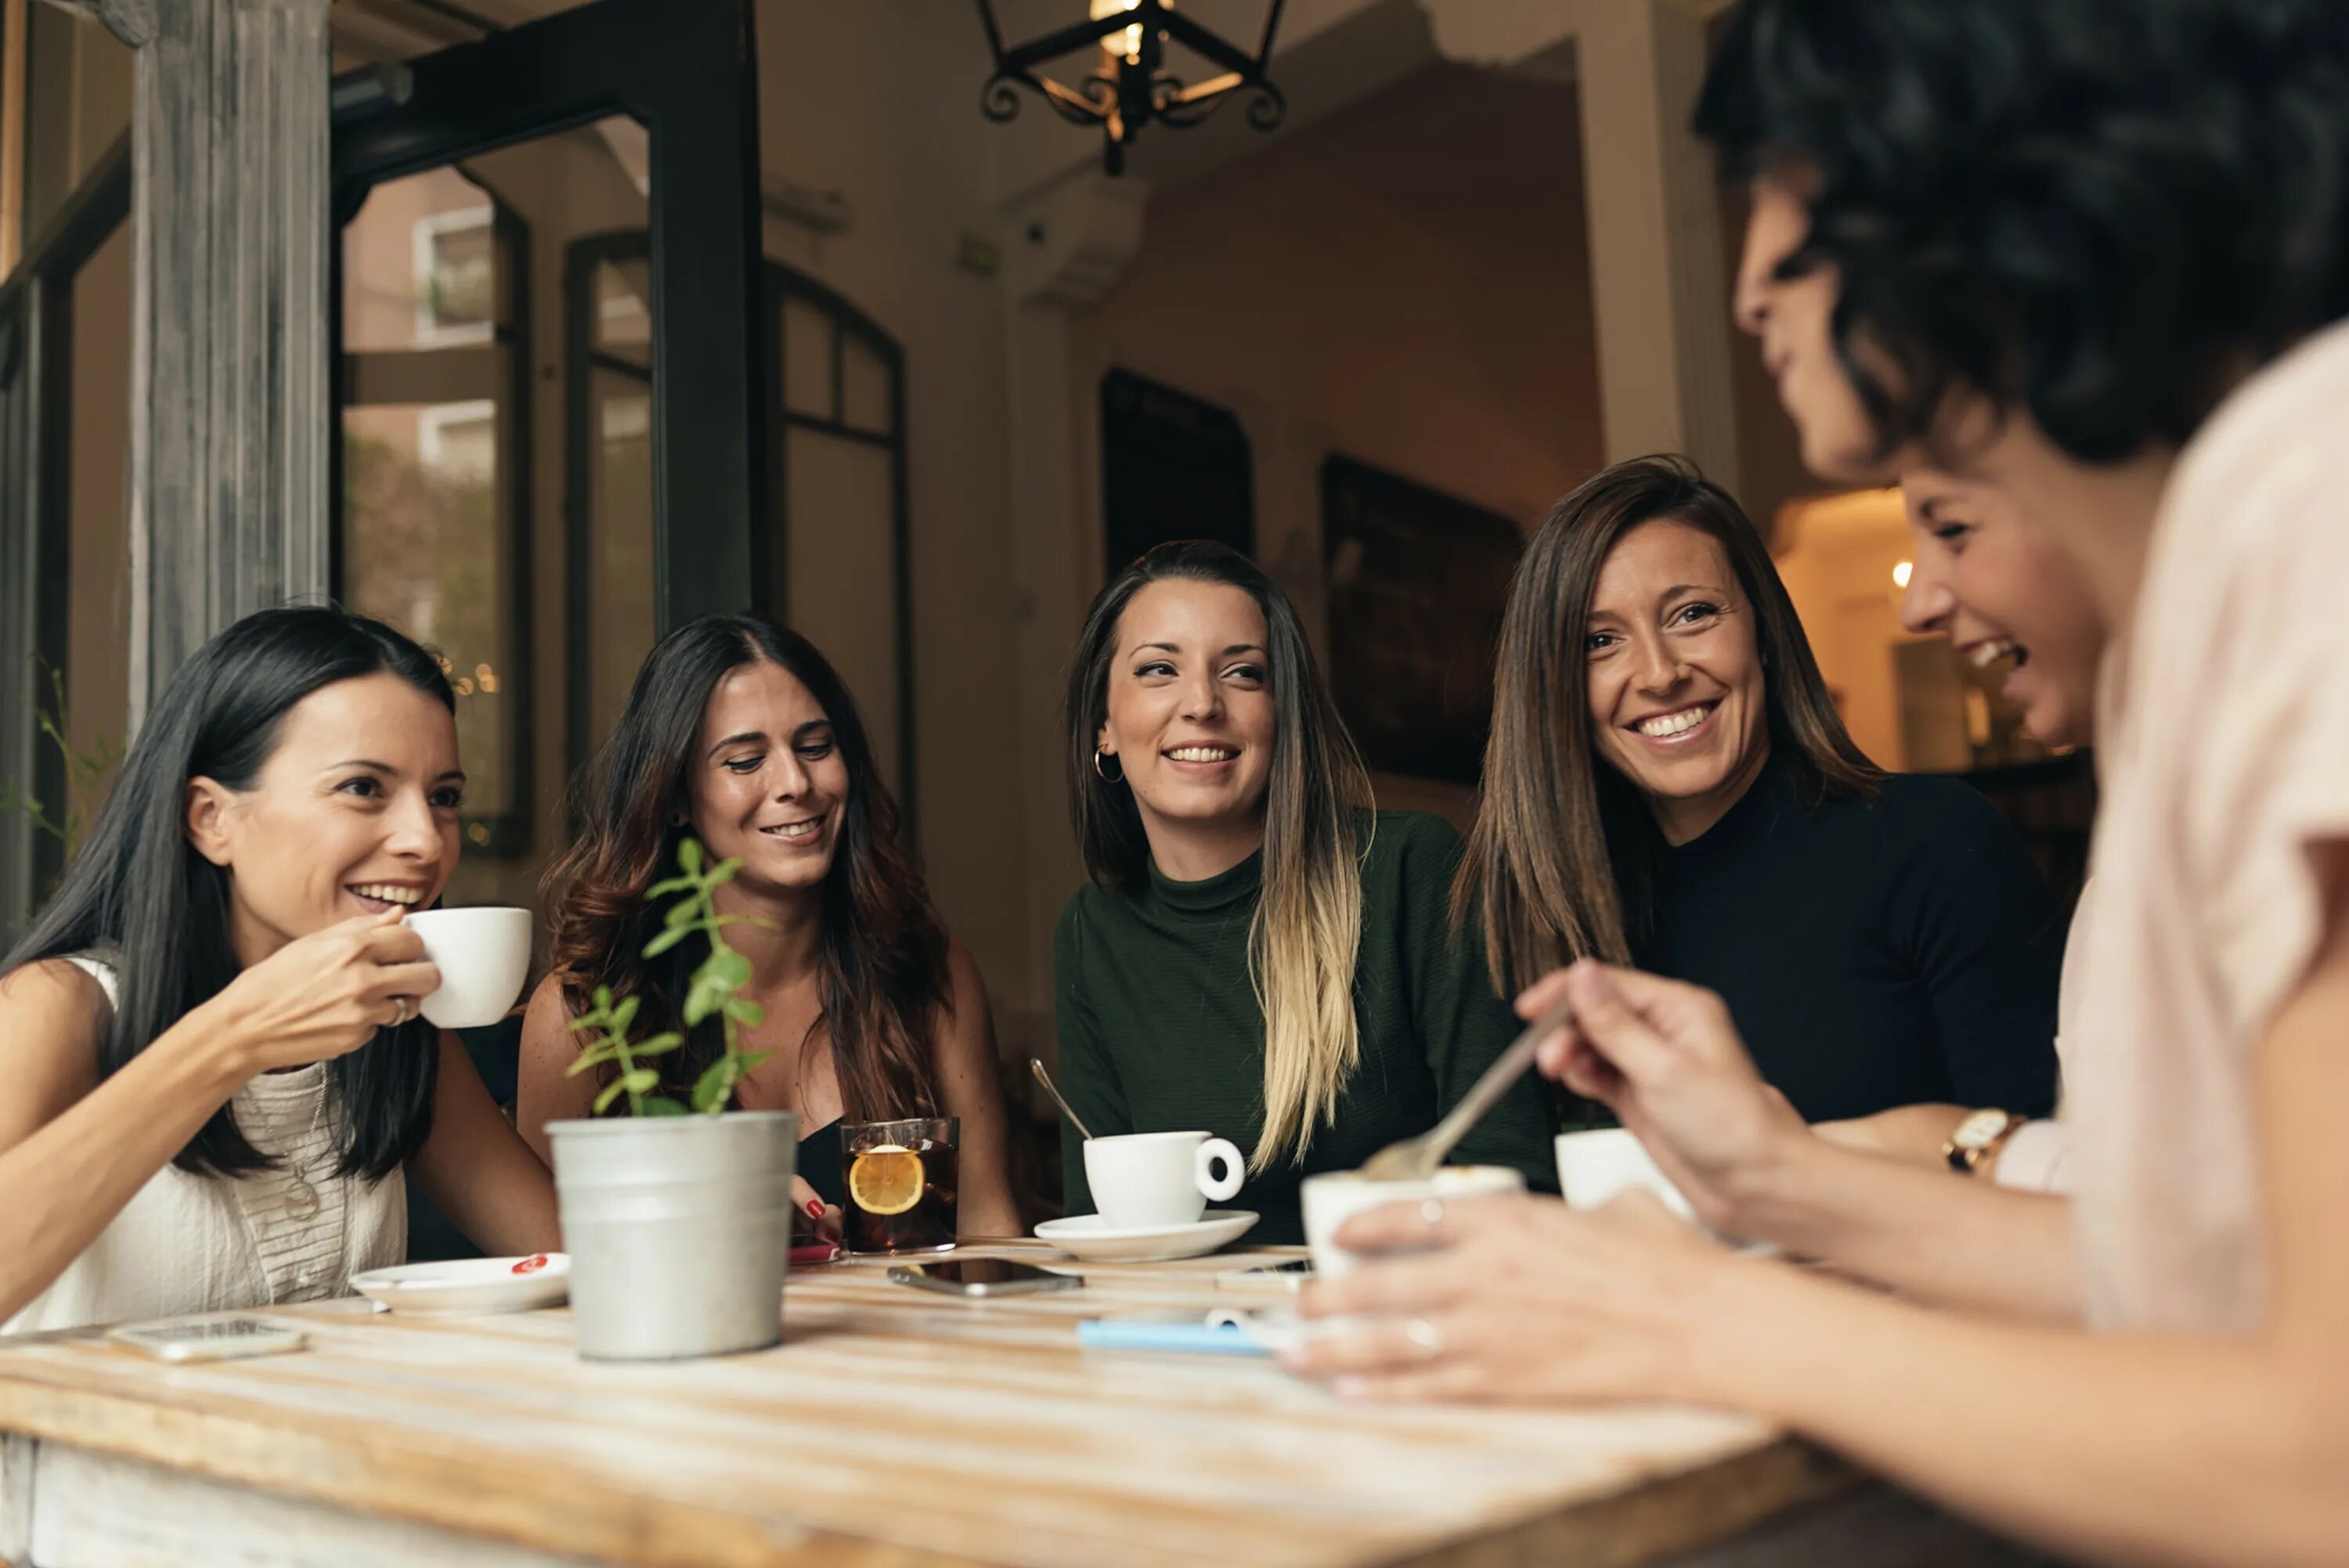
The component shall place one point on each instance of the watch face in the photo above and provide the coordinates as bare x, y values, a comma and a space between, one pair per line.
1979, 1129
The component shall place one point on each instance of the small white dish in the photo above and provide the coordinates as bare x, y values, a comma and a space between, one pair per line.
469, 1284
1095, 1240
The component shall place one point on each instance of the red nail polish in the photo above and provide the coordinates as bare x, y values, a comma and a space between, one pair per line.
815, 1208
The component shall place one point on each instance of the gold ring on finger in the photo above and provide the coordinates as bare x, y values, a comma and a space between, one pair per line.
1431, 1213
399, 1011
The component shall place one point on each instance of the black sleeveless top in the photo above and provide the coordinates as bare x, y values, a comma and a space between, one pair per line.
819, 1164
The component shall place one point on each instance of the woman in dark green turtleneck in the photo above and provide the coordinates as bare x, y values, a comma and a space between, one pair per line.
1259, 955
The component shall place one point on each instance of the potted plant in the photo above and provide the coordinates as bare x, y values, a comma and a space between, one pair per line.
678, 1218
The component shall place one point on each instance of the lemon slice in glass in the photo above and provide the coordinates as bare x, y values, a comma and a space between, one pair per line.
886, 1179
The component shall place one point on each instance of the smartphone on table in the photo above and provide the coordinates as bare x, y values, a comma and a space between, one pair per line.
216, 1339
983, 1277
1266, 1279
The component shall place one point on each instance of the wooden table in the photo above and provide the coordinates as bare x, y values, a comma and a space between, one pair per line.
891, 1427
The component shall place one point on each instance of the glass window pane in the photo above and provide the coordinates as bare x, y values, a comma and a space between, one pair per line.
76, 102
842, 583
865, 384
624, 317
430, 541
620, 579
419, 266
98, 623
807, 359
428, 547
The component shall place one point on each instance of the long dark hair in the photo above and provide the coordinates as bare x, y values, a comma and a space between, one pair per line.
141, 897
882, 976
2103, 214
1562, 860
1308, 923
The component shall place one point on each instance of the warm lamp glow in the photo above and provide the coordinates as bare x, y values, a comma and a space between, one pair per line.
1127, 44
1901, 574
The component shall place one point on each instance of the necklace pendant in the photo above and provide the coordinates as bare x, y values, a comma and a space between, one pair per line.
301, 1200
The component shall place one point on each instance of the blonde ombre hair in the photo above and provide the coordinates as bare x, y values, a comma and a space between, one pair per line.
1307, 928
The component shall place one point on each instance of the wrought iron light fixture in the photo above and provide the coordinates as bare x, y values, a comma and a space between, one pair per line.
1132, 85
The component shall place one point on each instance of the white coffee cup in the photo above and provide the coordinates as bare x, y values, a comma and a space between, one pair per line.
483, 956
1336, 1196
1144, 1180
1595, 1166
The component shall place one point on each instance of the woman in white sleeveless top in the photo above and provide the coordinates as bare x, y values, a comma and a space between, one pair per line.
213, 1070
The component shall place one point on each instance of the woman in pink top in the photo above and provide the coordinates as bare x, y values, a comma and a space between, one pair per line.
2094, 255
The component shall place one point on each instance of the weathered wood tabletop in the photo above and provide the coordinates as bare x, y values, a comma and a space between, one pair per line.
891, 1427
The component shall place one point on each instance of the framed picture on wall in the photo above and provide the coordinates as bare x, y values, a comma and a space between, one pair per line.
1418, 579
1173, 467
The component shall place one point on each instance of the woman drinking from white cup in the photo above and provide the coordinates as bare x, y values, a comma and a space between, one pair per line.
1259, 956
217, 1068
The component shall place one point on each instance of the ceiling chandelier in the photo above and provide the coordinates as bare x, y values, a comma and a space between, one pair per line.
1131, 85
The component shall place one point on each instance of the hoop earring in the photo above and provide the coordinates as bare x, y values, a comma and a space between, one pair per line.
1103, 772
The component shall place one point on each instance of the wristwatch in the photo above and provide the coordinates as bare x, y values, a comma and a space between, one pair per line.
1978, 1138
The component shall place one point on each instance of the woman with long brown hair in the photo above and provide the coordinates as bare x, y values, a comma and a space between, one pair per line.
1668, 782
742, 735
1259, 954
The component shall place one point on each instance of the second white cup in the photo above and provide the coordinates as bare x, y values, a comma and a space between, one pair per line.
483, 956
1145, 1179
1336, 1196
1593, 1167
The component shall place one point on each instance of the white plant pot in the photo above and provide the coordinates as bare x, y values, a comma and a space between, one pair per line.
679, 1229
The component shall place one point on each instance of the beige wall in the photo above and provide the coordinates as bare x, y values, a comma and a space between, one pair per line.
880, 102
1406, 283
1836, 555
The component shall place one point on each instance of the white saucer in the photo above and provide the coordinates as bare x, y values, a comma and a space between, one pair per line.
1089, 1237
468, 1284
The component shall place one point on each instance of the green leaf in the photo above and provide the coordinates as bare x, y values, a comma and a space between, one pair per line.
587, 1059
667, 1041
611, 1092
715, 1086
745, 1012
667, 940
624, 1016
585, 1022
674, 884
642, 1080
723, 872
681, 912
603, 999
745, 1060
689, 855
657, 1105
726, 968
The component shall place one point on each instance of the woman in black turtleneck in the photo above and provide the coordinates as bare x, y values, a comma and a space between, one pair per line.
1669, 784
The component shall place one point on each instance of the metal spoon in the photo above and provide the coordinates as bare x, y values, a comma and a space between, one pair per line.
1417, 1159
1045, 1079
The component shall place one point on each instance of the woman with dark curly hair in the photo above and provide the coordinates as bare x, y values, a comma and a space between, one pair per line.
741, 734
2096, 256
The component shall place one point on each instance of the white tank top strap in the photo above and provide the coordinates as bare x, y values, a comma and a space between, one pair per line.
99, 970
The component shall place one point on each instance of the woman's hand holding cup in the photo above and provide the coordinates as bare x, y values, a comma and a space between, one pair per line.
324, 994
1666, 1060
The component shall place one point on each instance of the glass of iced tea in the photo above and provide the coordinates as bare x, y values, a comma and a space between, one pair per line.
900, 1185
